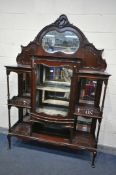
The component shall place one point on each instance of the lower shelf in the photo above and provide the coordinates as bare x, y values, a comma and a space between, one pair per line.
81, 139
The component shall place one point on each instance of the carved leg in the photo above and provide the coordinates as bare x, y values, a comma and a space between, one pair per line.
31, 125
9, 141
75, 123
71, 134
93, 159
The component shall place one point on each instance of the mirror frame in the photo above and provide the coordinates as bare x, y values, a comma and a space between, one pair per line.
61, 25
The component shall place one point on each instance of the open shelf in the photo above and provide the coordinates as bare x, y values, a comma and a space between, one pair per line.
52, 83
55, 88
88, 111
20, 102
56, 102
81, 139
52, 110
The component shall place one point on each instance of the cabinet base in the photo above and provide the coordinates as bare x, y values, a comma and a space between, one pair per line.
81, 139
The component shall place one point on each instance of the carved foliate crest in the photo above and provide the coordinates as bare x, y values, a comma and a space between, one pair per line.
62, 21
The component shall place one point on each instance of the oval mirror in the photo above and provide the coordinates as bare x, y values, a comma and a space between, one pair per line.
66, 42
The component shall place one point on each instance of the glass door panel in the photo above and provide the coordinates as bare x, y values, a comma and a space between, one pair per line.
53, 90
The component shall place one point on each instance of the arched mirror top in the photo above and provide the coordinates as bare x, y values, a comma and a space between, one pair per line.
60, 40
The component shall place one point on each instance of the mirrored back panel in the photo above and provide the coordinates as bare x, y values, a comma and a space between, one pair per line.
83, 124
88, 91
26, 85
66, 42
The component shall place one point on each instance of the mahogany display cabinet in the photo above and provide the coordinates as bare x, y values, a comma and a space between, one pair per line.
61, 89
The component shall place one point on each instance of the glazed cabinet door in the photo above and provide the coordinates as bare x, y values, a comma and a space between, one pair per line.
52, 89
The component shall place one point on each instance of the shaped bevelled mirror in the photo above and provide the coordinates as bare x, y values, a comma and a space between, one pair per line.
66, 42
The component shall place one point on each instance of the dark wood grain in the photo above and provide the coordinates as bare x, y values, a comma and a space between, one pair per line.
86, 64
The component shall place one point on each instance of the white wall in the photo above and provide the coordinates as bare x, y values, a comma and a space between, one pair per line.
21, 20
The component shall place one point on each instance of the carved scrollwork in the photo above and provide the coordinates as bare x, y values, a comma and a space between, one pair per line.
101, 63
85, 111
62, 21
91, 48
25, 56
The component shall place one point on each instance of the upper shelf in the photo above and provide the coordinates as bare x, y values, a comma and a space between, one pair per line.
54, 88
88, 111
24, 102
